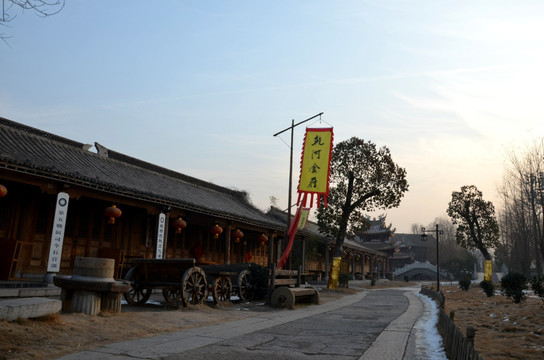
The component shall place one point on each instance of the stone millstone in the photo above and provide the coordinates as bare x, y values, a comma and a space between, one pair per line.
99, 268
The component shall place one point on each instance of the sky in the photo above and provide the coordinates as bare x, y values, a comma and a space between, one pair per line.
201, 87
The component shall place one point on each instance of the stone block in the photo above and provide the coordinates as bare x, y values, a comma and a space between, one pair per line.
12, 309
35, 292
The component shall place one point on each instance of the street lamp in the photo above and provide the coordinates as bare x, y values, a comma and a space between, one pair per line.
424, 238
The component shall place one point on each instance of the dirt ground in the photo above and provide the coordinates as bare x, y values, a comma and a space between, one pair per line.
504, 330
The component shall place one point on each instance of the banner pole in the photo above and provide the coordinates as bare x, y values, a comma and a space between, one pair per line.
289, 196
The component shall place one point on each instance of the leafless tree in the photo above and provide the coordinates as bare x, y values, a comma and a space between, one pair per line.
42, 8
522, 213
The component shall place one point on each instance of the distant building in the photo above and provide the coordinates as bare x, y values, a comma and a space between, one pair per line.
401, 249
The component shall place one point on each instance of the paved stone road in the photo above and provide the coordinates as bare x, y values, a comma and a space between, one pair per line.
343, 333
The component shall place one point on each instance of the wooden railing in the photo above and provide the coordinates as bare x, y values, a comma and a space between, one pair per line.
456, 345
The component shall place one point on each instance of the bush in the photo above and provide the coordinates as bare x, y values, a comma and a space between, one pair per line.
488, 287
537, 286
464, 283
513, 286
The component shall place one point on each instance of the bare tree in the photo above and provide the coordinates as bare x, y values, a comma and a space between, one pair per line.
522, 215
416, 228
42, 8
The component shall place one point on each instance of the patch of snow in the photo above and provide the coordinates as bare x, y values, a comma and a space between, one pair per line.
428, 341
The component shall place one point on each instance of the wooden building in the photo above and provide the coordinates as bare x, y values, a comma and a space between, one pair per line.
56, 185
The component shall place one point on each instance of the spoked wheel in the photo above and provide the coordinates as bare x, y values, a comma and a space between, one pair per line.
172, 295
221, 289
194, 287
245, 290
137, 295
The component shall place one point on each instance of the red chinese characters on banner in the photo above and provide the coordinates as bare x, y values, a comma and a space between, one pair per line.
315, 165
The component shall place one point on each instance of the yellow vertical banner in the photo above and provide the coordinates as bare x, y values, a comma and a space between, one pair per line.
335, 272
488, 272
315, 163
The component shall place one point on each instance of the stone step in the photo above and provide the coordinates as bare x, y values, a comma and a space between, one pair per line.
49, 291
30, 307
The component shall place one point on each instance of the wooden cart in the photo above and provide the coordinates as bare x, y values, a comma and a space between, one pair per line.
181, 281
230, 279
219, 283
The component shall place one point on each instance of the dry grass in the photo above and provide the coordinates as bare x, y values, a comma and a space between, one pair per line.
504, 330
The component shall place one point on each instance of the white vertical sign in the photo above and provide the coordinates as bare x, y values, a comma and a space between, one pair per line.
57, 234
160, 236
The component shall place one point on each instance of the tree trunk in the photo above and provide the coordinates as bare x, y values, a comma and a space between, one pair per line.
342, 229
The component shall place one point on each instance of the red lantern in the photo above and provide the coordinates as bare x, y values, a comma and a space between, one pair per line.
112, 213
216, 230
3, 191
237, 235
262, 239
179, 224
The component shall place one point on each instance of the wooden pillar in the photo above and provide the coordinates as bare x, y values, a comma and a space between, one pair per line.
271, 241
278, 250
226, 259
363, 265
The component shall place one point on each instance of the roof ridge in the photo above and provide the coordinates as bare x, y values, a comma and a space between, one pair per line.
38, 132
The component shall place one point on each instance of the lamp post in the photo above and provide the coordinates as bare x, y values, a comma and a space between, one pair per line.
424, 238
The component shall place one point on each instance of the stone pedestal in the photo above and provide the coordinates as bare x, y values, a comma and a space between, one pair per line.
87, 302
111, 302
92, 288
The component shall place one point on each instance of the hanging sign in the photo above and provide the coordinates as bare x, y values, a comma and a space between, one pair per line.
315, 165
159, 250
57, 234
304, 213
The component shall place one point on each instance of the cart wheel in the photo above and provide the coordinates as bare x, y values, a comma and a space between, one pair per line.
245, 290
172, 295
136, 295
222, 286
194, 288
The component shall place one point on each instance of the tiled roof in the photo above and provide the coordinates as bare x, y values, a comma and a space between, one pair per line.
350, 244
312, 230
414, 239
28, 150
